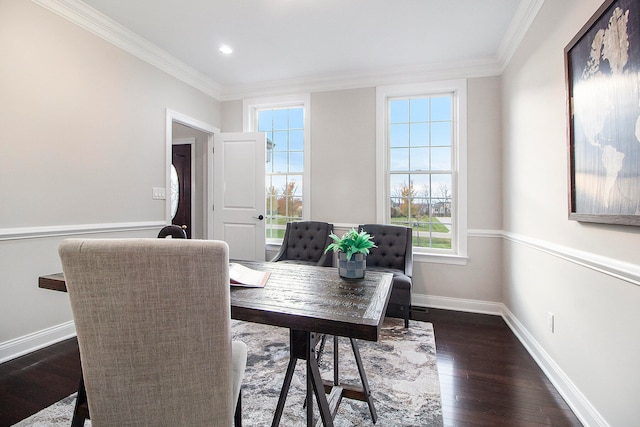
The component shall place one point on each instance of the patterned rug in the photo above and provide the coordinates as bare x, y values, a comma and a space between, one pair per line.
401, 370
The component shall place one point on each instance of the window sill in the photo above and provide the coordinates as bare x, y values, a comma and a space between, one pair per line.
417, 256
273, 246
450, 259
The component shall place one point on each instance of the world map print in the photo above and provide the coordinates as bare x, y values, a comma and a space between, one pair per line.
605, 106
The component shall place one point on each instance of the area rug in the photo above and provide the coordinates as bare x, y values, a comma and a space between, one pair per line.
401, 370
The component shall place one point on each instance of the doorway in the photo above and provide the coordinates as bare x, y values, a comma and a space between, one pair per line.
181, 199
234, 164
198, 136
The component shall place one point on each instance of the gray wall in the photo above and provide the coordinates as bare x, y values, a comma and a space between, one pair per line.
343, 190
343, 156
585, 274
82, 144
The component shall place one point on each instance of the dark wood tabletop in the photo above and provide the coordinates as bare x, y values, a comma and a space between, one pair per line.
54, 282
305, 298
314, 299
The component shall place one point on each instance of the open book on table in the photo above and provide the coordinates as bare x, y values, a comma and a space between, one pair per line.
239, 275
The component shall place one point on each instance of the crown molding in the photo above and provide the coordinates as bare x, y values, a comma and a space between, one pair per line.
488, 66
93, 21
522, 20
484, 67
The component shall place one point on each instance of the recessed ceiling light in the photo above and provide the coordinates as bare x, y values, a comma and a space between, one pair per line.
225, 49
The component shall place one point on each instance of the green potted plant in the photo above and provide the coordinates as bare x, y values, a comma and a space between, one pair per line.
352, 248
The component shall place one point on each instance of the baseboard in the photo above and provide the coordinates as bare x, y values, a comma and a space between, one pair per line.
584, 410
457, 304
579, 404
35, 341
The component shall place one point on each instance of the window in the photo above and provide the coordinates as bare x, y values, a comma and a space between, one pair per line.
421, 147
285, 166
286, 172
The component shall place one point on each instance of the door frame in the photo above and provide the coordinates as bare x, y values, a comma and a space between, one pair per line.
177, 117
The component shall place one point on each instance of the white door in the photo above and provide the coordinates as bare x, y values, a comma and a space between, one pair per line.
239, 197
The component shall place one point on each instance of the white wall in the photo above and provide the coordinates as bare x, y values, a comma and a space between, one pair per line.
82, 144
561, 266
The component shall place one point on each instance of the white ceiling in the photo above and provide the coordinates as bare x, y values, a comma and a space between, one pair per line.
280, 41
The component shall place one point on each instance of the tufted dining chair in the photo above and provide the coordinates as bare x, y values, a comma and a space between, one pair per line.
393, 254
173, 232
153, 320
304, 242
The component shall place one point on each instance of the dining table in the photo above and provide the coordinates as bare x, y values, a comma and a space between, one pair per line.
312, 303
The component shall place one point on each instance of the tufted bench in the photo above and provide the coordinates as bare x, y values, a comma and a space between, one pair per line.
304, 243
393, 254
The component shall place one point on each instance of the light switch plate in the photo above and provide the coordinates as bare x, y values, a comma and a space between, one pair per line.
159, 193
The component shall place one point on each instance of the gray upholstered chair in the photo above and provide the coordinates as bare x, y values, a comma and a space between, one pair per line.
172, 231
304, 243
393, 254
153, 320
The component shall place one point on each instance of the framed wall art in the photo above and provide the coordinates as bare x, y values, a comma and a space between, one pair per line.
602, 65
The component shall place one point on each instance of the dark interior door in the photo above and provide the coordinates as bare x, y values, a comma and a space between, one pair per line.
181, 159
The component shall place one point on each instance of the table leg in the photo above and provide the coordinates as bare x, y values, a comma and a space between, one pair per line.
336, 362
319, 353
308, 400
284, 391
313, 371
363, 378
302, 346
81, 410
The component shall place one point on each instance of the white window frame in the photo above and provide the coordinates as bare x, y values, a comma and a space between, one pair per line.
250, 107
458, 253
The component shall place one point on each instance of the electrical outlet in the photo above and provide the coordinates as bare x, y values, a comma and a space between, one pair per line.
551, 321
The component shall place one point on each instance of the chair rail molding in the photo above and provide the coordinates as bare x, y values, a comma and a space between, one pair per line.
69, 230
622, 270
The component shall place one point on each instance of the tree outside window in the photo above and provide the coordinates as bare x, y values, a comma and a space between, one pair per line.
421, 168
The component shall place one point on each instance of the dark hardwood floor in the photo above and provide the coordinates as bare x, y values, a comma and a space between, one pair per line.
39, 379
487, 378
